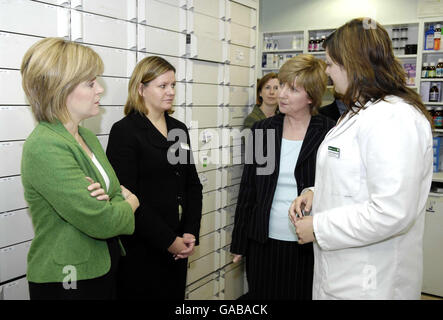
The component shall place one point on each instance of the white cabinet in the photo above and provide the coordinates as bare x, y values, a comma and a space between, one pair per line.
206, 26
206, 160
241, 35
207, 244
116, 91
13, 48
15, 227
235, 116
211, 201
94, 29
242, 56
232, 175
204, 72
203, 266
117, 62
11, 82
10, 116
206, 288
13, 261
153, 13
232, 282
121, 9
199, 94
11, 156
11, 189
102, 123
15, 290
230, 195
226, 235
204, 117
213, 8
227, 216
178, 63
56, 19
209, 222
204, 139
241, 76
207, 49
210, 180
153, 40
242, 15
239, 96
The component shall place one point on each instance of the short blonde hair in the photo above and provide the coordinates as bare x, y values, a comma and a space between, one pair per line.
145, 71
51, 69
309, 73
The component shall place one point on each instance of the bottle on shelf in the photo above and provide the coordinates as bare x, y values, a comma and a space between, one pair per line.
425, 70
437, 36
294, 42
323, 39
316, 43
311, 44
432, 70
431, 113
404, 32
429, 38
438, 118
395, 33
433, 93
440, 68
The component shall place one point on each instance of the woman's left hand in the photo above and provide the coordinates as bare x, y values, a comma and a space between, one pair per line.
304, 229
96, 190
189, 241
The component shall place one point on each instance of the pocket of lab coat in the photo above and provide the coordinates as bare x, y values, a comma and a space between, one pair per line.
345, 177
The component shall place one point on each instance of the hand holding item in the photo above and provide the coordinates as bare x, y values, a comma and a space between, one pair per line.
300, 205
304, 229
96, 190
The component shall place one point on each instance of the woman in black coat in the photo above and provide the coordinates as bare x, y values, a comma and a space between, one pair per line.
277, 267
150, 152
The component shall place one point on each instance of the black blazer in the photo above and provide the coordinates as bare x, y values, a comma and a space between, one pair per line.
138, 153
257, 191
331, 111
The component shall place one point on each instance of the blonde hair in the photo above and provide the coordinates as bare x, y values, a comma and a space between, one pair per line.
145, 71
309, 72
51, 69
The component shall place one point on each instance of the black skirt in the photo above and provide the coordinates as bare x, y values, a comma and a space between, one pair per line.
279, 270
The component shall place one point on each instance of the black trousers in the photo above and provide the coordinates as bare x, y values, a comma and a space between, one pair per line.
101, 288
279, 270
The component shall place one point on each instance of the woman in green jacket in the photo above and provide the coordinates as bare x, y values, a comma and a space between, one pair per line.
75, 250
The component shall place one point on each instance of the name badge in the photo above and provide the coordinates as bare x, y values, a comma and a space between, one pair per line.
184, 146
334, 152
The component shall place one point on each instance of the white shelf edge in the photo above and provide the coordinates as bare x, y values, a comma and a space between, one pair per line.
282, 50
437, 176
406, 56
432, 51
434, 104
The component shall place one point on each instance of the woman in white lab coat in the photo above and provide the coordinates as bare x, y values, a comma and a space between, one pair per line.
374, 172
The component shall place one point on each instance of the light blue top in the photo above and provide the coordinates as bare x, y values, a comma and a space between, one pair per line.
280, 227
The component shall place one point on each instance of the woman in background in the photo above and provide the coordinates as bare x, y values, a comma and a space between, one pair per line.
142, 148
75, 251
267, 103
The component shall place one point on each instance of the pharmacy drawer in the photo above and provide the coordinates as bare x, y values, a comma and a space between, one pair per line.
235, 116
204, 117
241, 76
11, 82
125, 10
211, 180
176, 3
178, 63
211, 201
180, 94
203, 266
230, 195
241, 56
206, 26
102, 123
207, 244
10, 117
25, 16
241, 14
226, 257
11, 157
204, 139
15, 290
213, 8
207, 291
13, 261
152, 40
239, 96
12, 49
103, 139
56, 2
204, 72
227, 216
153, 13
232, 175
118, 62
236, 136
210, 222
232, 281
206, 160
199, 94
179, 114
15, 227
208, 49
11, 189
241, 35
94, 29
226, 235
233, 155
116, 91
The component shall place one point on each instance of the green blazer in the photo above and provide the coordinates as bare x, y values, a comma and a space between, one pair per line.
71, 227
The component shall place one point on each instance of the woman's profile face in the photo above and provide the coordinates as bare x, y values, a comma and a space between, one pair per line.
83, 101
293, 99
159, 93
338, 75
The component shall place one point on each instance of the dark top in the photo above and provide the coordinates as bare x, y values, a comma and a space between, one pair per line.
331, 111
139, 154
257, 191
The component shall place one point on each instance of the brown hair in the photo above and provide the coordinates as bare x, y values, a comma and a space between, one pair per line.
373, 71
51, 69
261, 83
145, 71
309, 72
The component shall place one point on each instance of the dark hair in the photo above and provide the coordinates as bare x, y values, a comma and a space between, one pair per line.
262, 82
363, 48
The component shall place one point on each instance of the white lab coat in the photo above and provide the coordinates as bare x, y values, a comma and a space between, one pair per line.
369, 204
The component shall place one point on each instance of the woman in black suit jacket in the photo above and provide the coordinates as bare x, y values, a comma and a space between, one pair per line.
150, 152
277, 266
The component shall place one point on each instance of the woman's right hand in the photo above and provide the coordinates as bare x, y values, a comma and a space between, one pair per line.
177, 246
131, 198
237, 258
302, 204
